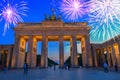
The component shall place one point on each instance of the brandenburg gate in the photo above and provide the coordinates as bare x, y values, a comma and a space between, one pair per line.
51, 30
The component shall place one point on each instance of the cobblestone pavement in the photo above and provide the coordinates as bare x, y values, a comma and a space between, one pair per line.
60, 74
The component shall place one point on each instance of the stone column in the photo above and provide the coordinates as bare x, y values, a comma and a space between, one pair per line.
31, 57
15, 52
44, 54
8, 57
118, 54
83, 51
113, 55
108, 56
119, 47
61, 51
88, 51
74, 59
103, 56
3, 57
95, 56
21, 53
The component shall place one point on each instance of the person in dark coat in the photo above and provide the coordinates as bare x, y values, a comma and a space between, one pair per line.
116, 67
5, 68
105, 67
25, 69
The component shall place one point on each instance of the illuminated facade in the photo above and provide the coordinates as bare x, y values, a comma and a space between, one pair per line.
57, 30
108, 51
53, 30
6, 52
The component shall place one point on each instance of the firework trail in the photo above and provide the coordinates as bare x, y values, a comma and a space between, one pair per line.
73, 10
11, 13
104, 18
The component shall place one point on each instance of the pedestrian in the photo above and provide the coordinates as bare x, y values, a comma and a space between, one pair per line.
25, 69
105, 67
5, 68
116, 67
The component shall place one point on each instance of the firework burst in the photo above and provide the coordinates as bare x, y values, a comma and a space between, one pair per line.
104, 17
11, 13
73, 9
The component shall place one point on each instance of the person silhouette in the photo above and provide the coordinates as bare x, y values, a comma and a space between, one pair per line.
25, 69
5, 68
116, 67
105, 67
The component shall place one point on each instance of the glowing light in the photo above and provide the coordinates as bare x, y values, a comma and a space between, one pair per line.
11, 13
76, 5
73, 9
104, 17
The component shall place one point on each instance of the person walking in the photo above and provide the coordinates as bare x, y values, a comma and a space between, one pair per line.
25, 69
116, 67
105, 67
5, 68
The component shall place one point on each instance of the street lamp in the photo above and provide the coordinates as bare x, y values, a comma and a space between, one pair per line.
105, 52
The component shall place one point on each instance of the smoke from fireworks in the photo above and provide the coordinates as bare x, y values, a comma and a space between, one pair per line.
104, 18
73, 9
11, 13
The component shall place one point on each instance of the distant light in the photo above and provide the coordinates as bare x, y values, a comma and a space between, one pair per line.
105, 52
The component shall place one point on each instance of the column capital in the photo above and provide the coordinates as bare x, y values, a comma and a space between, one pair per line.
73, 36
30, 41
61, 38
44, 37
30, 37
